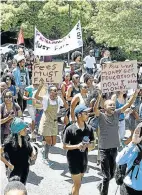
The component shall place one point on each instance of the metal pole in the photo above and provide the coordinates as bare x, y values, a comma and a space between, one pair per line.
69, 29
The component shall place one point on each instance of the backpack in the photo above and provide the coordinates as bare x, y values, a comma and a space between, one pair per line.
121, 172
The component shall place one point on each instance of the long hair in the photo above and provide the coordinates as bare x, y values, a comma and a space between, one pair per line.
12, 139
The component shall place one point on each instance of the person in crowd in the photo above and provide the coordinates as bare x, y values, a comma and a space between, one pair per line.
131, 155
3, 87
18, 149
77, 138
76, 65
20, 54
37, 104
9, 109
9, 80
120, 100
14, 64
21, 76
15, 188
90, 81
90, 62
79, 98
140, 112
28, 96
65, 85
73, 89
109, 125
48, 127
106, 57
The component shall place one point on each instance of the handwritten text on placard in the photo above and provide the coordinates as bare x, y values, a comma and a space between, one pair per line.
49, 72
119, 76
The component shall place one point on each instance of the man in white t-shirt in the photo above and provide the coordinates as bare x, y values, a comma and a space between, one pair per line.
90, 62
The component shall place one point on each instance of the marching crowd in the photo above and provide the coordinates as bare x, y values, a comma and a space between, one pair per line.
87, 115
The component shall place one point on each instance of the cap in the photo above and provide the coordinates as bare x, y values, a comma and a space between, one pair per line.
81, 108
20, 58
72, 62
18, 125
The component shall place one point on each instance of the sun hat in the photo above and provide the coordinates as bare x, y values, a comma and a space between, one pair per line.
18, 125
81, 108
20, 58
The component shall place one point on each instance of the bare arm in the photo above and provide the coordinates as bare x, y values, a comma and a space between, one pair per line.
96, 106
68, 94
4, 160
26, 96
73, 147
38, 92
130, 101
6, 119
63, 96
74, 102
113, 98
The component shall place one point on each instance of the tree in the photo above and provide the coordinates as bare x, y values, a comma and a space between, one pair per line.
118, 23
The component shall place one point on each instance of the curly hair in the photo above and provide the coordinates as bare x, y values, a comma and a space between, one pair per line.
75, 55
11, 78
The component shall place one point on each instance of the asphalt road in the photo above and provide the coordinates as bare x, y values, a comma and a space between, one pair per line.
56, 180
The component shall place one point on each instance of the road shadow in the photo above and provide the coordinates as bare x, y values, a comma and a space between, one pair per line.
56, 150
87, 179
59, 166
92, 158
33, 178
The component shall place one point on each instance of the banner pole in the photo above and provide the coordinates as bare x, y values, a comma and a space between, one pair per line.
69, 29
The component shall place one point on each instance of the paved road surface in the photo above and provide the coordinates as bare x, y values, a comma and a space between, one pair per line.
56, 180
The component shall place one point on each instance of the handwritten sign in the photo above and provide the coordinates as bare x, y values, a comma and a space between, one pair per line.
49, 72
119, 76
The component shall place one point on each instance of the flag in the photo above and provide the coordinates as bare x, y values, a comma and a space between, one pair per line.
20, 37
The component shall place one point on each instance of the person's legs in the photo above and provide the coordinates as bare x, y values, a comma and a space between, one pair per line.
48, 140
20, 101
76, 183
32, 113
105, 167
24, 175
112, 161
54, 138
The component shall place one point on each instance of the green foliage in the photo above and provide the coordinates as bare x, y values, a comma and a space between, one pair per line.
115, 23
118, 23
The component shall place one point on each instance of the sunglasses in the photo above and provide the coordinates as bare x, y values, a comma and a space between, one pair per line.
8, 79
85, 87
77, 77
8, 97
54, 90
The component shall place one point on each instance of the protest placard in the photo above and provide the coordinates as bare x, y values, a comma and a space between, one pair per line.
119, 76
49, 72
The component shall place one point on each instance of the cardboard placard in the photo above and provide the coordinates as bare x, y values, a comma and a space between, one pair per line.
49, 72
119, 76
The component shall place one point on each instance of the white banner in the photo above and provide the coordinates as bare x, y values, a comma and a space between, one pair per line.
46, 47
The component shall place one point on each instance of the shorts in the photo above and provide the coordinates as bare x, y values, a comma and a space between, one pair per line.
77, 169
77, 165
32, 111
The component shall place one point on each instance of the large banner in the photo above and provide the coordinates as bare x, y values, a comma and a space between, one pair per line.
46, 47
49, 72
119, 76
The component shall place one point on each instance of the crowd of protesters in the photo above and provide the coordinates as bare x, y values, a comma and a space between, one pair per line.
88, 115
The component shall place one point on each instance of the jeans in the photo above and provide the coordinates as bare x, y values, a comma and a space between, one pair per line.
108, 165
22, 103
